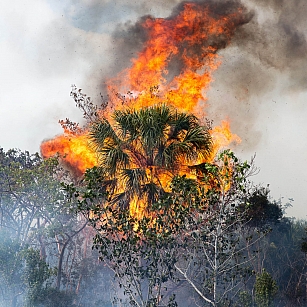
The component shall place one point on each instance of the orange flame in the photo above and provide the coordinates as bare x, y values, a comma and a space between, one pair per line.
74, 152
222, 137
178, 57
188, 41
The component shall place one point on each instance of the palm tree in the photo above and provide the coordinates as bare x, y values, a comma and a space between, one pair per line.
144, 149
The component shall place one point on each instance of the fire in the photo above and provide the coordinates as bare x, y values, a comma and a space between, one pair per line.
175, 67
137, 208
74, 151
222, 137
189, 41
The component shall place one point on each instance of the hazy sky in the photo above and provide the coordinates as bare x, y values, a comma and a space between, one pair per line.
261, 85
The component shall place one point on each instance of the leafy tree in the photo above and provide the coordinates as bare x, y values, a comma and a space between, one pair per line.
283, 258
30, 194
11, 269
213, 245
34, 214
245, 299
133, 248
37, 276
138, 157
27, 192
304, 243
193, 234
265, 289
261, 211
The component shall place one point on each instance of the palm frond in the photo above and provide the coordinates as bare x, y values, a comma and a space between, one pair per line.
112, 159
179, 152
127, 124
100, 132
153, 123
110, 186
151, 192
199, 139
196, 144
121, 199
182, 122
133, 180
156, 138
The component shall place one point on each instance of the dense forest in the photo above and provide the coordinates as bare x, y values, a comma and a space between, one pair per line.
147, 226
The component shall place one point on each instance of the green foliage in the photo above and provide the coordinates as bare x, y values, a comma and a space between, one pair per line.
260, 211
10, 258
245, 299
193, 232
304, 244
281, 254
29, 191
55, 298
214, 245
36, 224
133, 154
140, 252
35, 276
265, 289
11, 267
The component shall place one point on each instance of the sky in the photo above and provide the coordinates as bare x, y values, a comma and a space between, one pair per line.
260, 86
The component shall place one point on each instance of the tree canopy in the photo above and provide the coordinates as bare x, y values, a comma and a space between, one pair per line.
141, 150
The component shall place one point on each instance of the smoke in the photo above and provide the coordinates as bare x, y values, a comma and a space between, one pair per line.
268, 51
266, 56
260, 85
121, 22
98, 37
279, 40
269, 44
88, 41
129, 38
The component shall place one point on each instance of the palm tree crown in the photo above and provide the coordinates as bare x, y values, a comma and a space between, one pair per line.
144, 149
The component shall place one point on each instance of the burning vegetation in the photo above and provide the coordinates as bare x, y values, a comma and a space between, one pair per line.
170, 211
174, 68
145, 149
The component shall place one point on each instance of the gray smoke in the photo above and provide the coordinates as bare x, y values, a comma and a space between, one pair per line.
122, 21
268, 47
268, 52
130, 38
279, 41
